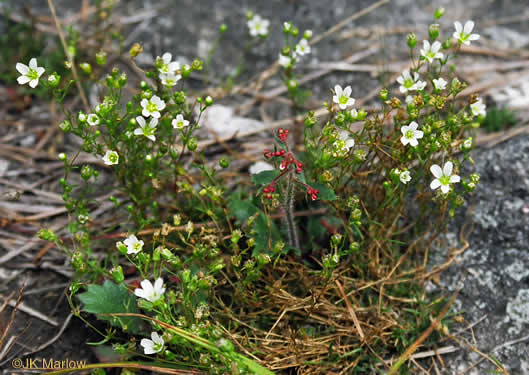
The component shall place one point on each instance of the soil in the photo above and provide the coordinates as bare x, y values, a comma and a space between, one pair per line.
494, 271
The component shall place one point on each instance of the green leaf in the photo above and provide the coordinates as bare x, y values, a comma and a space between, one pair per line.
241, 209
325, 192
265, 177
111, 298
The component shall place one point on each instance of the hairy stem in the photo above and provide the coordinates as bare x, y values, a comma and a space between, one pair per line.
288, 207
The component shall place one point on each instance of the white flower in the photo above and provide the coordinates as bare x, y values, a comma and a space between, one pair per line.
431, 52
342, 97
93, 119
259, 167
111, 157
478, 108
152, 107
443, 177
146, 130
303, 47
29, 73
81, 117
165, 65
440, 84
405, 177
149, 292
343, 144
169, 79
152, 346
258, 26
134, 245
285, 61
410, 134
409, 99
179, 122
409, 83
287, 26
463, 34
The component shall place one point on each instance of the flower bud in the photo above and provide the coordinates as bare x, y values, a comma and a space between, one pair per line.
224, 162
223, 28
412, 40
439, 12
135, 50
101, 58
307, 34
117, 274
383, 94
433, 31
86, 67
65, 126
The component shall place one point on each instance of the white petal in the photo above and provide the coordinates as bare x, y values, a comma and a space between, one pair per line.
40, 70
413, 125
23, 80
138, 131
151, 137
436, 46
144, 103
425, 45
155, 114
140, 120
166, 57
404, 129
140, 293
469, 25
435, 184
445, 188
158, 283
436, 171
347, 91
418, 134
403, 89
22, 69
33, 83
33, 63
447, 169
147, 286
414, 142
473, 37
458, 26
338, 90
454, 179
404, 140
400, 80
153, 123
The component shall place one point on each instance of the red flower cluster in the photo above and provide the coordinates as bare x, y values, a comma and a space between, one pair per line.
284, 166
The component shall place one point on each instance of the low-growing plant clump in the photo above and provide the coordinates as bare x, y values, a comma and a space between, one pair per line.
317, 265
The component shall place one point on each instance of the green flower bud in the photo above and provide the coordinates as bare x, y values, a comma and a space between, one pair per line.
208, 101
62, 156
186, 71
86, 67
224, 162
196, 64
295, 32
101, 58
307, 34
117, 274
439, 12
192, 144
447, 44
65, 126
223, 28
412, 40
433, 31
135, 50
384, 94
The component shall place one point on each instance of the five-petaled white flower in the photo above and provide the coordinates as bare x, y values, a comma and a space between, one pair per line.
409, 83
443, 177
179, 122
152, 106
440, 84
149, 292
165, 65
342, 97
343, 144
134, 245
467, 143
169, 79
478, 108
405, 176
303, 47
431, 52
29, 73
111, 157
93, 119
285, 61
152, 346
464, 34
146, 130
410, 134
258, 26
